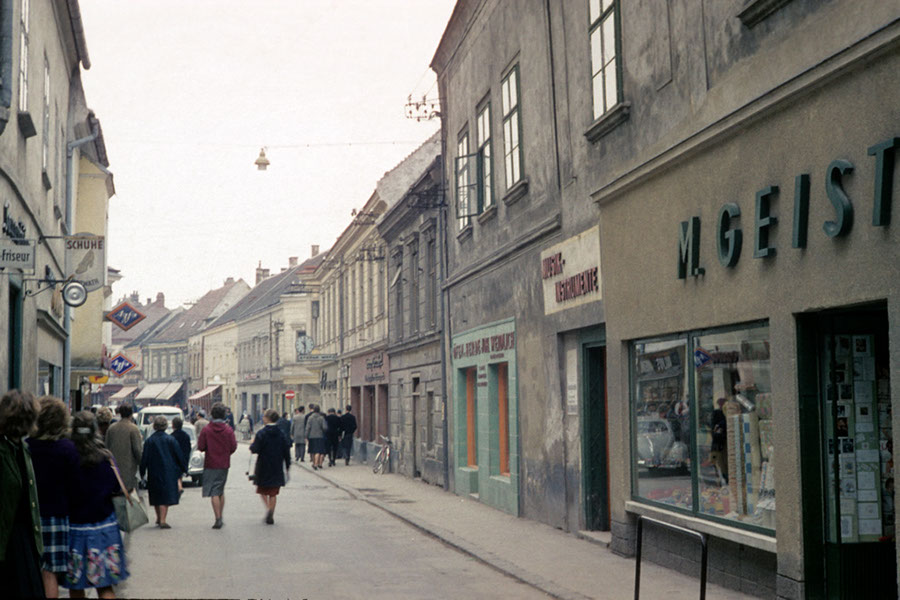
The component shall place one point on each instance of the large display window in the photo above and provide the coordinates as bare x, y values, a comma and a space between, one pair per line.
702, 425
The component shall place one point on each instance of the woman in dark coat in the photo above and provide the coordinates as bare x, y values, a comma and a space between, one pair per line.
164, 461
21, 545
273, 450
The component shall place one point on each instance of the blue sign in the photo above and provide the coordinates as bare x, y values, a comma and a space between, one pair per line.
701, 357
125, 316
120, 364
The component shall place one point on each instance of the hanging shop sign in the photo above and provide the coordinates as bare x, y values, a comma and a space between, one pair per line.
369, 369
17, 254
86, 259
12, 228
120, 364
328, 380
570, 272
125, 316
729, 236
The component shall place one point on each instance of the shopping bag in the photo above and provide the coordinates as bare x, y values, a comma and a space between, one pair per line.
130, 512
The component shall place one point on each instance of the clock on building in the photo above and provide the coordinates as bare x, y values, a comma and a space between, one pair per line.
305, 345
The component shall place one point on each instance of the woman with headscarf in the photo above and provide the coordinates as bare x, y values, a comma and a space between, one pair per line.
163, 463
273, 461
20, 521
56, 463
96, 554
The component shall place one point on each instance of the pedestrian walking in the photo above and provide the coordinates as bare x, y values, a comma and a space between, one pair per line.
298, 434
20, 522
285, 427
163, 463
123, 439
348, 427
96, 553
309, 451
229, 418
218, 442
104, 420
56, 463
315, 435
244, 427
332, 435
201, 421
184, 443
272, 449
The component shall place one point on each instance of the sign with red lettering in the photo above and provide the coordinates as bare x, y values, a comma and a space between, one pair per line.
570, 272
86, 259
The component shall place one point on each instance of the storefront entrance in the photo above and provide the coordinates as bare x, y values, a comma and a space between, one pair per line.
847, 443
595, 445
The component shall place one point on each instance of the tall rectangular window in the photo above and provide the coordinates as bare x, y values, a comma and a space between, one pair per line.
398, 294
429, 421
512, 149
24, 18
431, 284
370, 296
502, 371
414, 287
605, 71
483, 141
463, 174
45, 146
471, 419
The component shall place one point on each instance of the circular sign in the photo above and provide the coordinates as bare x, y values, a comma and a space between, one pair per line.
289, 395
74, 294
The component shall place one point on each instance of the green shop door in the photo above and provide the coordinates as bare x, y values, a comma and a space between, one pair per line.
594, 436
854, 444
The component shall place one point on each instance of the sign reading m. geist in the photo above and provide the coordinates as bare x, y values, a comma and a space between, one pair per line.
570, 272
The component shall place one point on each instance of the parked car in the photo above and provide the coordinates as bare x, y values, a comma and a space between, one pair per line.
195, 463
657, 446
145, 417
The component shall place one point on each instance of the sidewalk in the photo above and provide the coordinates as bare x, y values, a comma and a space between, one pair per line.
555, 562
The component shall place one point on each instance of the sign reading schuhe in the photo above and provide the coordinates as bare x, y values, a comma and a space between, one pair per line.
86, 259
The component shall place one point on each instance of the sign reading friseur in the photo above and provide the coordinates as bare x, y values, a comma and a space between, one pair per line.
570, 271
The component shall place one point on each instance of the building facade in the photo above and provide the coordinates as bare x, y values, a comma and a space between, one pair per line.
695, 210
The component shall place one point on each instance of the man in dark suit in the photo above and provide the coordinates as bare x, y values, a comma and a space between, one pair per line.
332, 435
348, 427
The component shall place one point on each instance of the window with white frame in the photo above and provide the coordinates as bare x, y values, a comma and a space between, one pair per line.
463, 179
512, 127
24, 18
605, 63
483, 140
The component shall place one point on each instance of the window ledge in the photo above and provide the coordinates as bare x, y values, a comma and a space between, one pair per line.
502, 479
26, 125
46, 180
489, 213
732, 534
516, 192
615, 116
756, 11
465, 233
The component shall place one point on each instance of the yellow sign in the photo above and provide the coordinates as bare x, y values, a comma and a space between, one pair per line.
98, 378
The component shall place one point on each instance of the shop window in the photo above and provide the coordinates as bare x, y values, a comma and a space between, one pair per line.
500, 437
703, 420
429, 421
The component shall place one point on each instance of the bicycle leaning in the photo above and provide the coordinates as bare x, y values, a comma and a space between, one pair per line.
382, 463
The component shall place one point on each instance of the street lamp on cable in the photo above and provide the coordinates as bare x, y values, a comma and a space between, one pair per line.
261, 161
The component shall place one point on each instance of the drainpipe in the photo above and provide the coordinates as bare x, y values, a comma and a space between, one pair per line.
70, 213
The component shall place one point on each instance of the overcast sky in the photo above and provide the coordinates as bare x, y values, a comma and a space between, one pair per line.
188, 91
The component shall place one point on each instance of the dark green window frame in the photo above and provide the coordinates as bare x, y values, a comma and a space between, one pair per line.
690, 373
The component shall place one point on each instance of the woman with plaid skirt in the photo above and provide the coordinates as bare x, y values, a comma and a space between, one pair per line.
96, 553
55, 463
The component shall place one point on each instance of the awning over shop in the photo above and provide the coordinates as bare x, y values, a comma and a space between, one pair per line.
123, 393
170, 390
202, 394
152, 390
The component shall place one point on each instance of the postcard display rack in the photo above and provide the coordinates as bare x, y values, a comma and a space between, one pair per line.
858, 427
749, 493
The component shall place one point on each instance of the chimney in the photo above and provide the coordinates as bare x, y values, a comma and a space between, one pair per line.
292, 261
161, 299
229, 281
135, 297
261, 273
315, 250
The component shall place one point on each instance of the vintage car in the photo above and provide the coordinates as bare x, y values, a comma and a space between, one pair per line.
145, 423
657, 446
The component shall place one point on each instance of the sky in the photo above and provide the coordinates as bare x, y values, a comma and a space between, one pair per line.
188, 91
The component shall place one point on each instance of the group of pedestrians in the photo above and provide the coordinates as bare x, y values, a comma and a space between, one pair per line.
57, 522
321, 435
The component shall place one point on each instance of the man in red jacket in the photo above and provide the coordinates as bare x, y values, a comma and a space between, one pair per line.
218, 441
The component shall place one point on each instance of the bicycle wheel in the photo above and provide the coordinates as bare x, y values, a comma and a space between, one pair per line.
378, 465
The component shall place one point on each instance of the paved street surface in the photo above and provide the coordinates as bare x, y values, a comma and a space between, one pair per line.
344, 532
324, 544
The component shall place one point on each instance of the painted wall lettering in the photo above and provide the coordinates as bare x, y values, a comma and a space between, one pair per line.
552, 266
843, 209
